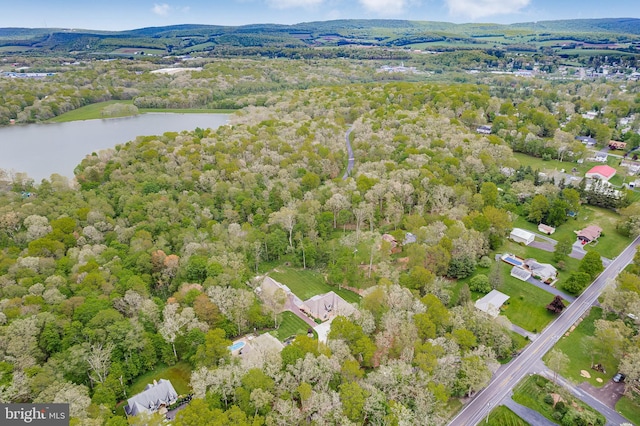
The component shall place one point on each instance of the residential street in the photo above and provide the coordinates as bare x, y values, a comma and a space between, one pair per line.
502, 383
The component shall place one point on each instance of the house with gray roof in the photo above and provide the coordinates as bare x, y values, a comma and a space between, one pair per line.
156, 395
325, 306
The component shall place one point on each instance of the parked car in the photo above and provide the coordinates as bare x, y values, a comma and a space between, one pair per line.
619, 378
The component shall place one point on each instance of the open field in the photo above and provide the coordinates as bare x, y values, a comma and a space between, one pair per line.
629, 409
306, 284
94, 111
531, 392
503, 416
291, 326
574, 346
87, 112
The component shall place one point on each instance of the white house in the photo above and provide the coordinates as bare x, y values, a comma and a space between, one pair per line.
492, 302
521, 236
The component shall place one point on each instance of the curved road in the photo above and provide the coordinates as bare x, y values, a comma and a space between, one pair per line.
347, 173
502, 384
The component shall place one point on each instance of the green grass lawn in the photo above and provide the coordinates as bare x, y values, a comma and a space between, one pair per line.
610, 244
94, 111
629, 409
179, 375
580, 356
527, 304
531, 392
87, 112
291, 326
306, 284
503, 416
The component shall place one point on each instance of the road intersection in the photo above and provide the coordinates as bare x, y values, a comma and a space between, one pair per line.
508, 377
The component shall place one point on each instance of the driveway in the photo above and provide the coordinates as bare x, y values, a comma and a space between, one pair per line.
609, 394
551, 290
546, 246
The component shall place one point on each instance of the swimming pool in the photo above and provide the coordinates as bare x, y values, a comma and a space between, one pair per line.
236, 346
512, 261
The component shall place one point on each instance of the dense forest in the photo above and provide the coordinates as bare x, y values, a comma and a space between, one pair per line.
152, 256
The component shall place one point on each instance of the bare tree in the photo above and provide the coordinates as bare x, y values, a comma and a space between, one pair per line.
285, 217
98, 356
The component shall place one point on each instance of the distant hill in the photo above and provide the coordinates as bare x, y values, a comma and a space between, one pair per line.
608, 25
188, 38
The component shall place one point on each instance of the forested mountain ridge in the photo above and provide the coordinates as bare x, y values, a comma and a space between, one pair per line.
186, 38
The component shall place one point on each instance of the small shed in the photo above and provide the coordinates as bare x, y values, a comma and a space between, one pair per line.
521, 236
546, 229
492, 302
520, 273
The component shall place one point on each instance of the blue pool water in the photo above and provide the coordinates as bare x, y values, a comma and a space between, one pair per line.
513, 261
236, 346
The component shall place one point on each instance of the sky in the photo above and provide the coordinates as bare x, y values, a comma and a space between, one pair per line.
131, 14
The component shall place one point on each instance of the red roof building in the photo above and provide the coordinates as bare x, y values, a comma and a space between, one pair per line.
601, 172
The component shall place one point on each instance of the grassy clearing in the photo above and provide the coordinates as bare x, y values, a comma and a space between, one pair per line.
503, 416
531, 392
291, 326
306, 284
87, 112
179, 375
629, 409
575, 347
94, 111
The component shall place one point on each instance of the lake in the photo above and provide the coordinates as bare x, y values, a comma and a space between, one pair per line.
43, 149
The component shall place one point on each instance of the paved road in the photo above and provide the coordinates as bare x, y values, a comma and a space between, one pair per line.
352, 159
613, 418
527, 414
504, 381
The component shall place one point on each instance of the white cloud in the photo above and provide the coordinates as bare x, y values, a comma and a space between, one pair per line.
161, 9
481, 8
387, 7
288, 4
